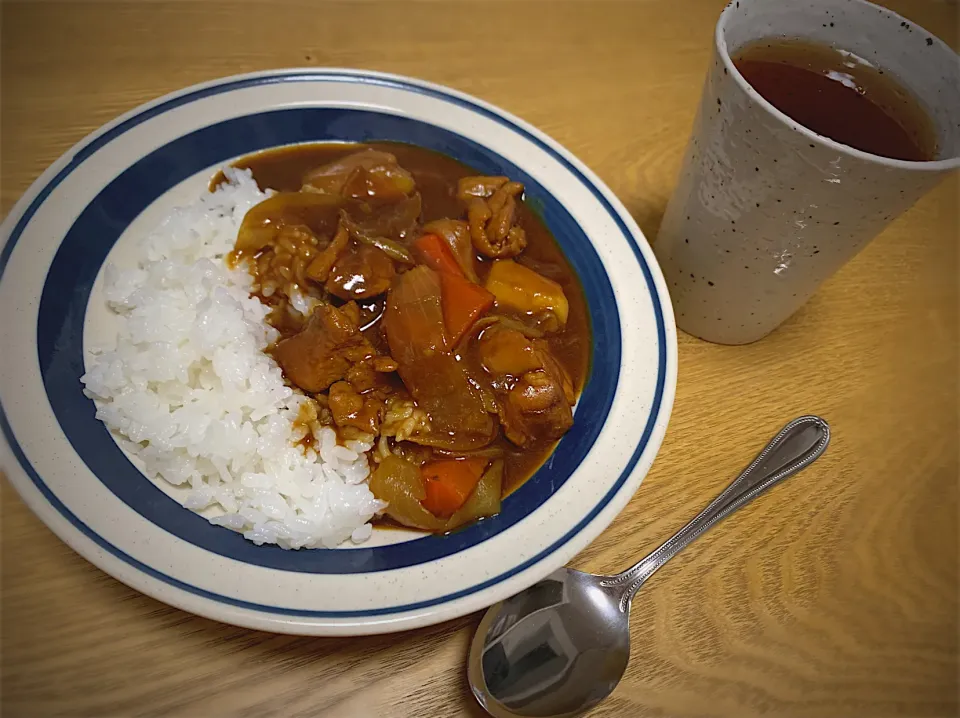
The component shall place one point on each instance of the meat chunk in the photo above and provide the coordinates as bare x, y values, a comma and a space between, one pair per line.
555, 369
492, 215
534, 392
535, 409
324, 351
507, 352
362, 376
384, 365
368, 374
360, 272
352, 409
351, 311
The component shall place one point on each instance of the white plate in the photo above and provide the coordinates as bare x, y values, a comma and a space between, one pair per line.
111, 186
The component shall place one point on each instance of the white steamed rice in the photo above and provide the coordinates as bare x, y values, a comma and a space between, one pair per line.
191, 392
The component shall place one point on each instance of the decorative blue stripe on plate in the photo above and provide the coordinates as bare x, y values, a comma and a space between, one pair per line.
67, 289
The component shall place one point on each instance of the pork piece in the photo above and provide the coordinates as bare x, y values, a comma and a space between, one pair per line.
492, 215
329, 345
351, 310
353, 409
368, 374
360, 272
535, 409
534, 392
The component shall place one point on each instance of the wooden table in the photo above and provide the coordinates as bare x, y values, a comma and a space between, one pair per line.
836, 595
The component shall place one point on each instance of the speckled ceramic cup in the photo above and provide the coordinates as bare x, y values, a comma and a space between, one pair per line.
766, 209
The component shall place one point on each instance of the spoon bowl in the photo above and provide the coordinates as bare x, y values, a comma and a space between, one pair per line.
555, 649
561, 646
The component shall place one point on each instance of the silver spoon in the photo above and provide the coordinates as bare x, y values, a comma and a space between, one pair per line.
561, 646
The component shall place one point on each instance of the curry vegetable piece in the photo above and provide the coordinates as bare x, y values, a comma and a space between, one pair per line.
520, 288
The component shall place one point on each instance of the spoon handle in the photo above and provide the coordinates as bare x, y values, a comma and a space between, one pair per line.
797, 446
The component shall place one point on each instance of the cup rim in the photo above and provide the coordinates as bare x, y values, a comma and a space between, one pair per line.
948, 163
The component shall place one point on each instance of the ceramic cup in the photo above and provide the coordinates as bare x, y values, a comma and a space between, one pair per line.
765, 209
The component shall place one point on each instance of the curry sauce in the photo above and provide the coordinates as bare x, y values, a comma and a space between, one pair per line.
436, 178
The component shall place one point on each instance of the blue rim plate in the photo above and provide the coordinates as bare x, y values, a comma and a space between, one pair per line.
114, 185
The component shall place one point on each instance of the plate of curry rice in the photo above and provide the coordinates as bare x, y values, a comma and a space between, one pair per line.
328, 352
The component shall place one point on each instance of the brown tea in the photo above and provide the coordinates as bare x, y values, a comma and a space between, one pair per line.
841, 96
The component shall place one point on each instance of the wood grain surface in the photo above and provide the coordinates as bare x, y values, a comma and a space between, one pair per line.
835, 595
